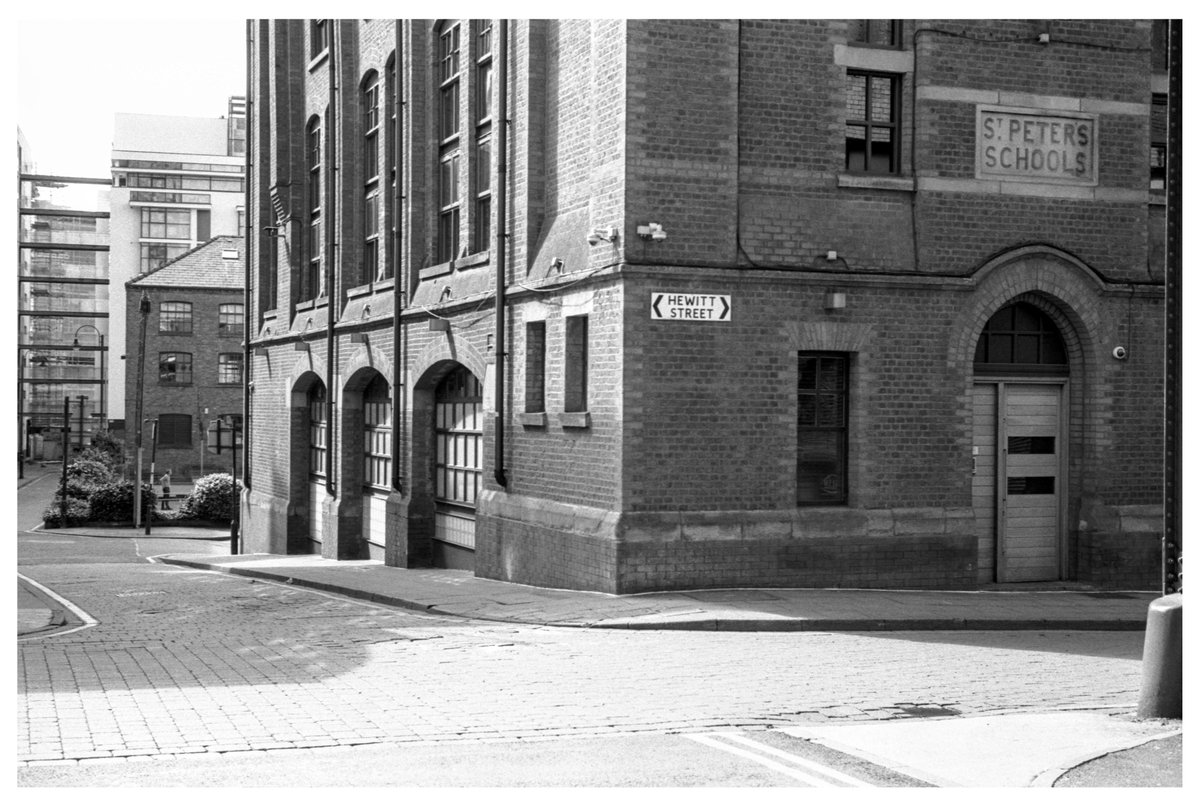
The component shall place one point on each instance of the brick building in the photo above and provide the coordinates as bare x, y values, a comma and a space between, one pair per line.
194, 359
782, 303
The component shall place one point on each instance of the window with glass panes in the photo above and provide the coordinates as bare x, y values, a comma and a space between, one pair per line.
229, 368
317, 431
1158, 142
174, 317
872, 122
822, 393
155, 255
174, 368
880, 33
231, 319
458, 429
158, 222
481, 224
389, 261
318, 37
370, 100
313, 285
447, 73
377, 434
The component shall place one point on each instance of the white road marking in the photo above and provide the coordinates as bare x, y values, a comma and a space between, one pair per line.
82, 615
720, 742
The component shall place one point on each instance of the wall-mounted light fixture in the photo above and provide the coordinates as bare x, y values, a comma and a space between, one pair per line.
261, 351
442, 325
300, 347
359, 339
652, 231
556, 264
447, 293
835, 300
599, 234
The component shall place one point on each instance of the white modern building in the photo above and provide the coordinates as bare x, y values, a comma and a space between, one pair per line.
177, 183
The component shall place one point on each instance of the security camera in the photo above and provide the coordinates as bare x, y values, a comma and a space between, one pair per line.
594, 238
1120, 353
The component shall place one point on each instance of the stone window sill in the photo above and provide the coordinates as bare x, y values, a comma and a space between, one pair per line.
575, 420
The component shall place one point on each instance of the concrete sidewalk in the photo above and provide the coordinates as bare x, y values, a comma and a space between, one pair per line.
460, 593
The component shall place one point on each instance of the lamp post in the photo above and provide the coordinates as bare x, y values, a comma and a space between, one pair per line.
82, 405
103, 413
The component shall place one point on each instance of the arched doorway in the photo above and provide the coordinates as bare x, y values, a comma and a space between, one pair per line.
1020, 446
457, 467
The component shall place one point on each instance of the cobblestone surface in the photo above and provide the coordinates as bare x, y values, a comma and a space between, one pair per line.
186, 662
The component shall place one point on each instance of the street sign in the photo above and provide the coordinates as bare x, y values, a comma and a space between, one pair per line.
691, 307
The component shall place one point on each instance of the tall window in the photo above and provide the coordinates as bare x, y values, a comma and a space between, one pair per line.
535, 367
229, 368
881, 33
174, 317
318, 37
231, 319
377, 434
317, 431
481, 223
872, 122
313, 285
160, 222
447, 74
370, 124
389, 215
174, 431
1158, 142
174, 368
575, 382
822, 407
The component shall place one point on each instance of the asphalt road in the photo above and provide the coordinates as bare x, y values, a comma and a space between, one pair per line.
190, 678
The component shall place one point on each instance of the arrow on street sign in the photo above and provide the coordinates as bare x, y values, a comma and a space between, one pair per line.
691, 307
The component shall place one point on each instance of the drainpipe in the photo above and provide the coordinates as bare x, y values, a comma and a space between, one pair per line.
334, 298
247, 319
501, 250
399, 275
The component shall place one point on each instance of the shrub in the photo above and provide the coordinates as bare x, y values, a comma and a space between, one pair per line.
106, 449
89, 473
77, 512
114, 501
212, 498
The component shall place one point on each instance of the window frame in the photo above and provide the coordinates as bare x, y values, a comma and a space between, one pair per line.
175, 311
895, 81
535, 367
377, 435
183, 373
318, 432
575, 364
314, 142
448, 82
840, 432
229, 365
895, 39
230, 315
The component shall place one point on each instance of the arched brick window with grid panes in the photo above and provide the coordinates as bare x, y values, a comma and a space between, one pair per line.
1020, 339
377, 434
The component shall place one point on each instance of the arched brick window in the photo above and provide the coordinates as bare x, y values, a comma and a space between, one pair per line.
1020, 339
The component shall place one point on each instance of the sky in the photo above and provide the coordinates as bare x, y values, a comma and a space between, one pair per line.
73, 75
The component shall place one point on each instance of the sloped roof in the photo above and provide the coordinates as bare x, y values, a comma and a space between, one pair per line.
204, 267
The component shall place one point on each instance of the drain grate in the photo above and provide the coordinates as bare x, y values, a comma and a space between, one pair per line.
913, 710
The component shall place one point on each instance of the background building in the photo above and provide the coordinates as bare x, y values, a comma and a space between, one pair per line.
177, 182
794, 303
62, 308
193, 371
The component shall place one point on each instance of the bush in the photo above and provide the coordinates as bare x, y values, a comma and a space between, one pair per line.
89, 473
212, 498
77, 512
114, 501
107, 450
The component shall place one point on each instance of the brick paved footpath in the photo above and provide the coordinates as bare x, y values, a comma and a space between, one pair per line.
186, 661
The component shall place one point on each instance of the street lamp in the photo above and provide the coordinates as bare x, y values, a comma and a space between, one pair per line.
103, 414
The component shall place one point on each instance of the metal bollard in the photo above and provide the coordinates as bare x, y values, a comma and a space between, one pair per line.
1162, 660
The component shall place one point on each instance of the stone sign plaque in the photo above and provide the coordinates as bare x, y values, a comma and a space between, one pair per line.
1036, 145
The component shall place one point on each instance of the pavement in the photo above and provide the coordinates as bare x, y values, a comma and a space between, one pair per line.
1037, 749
